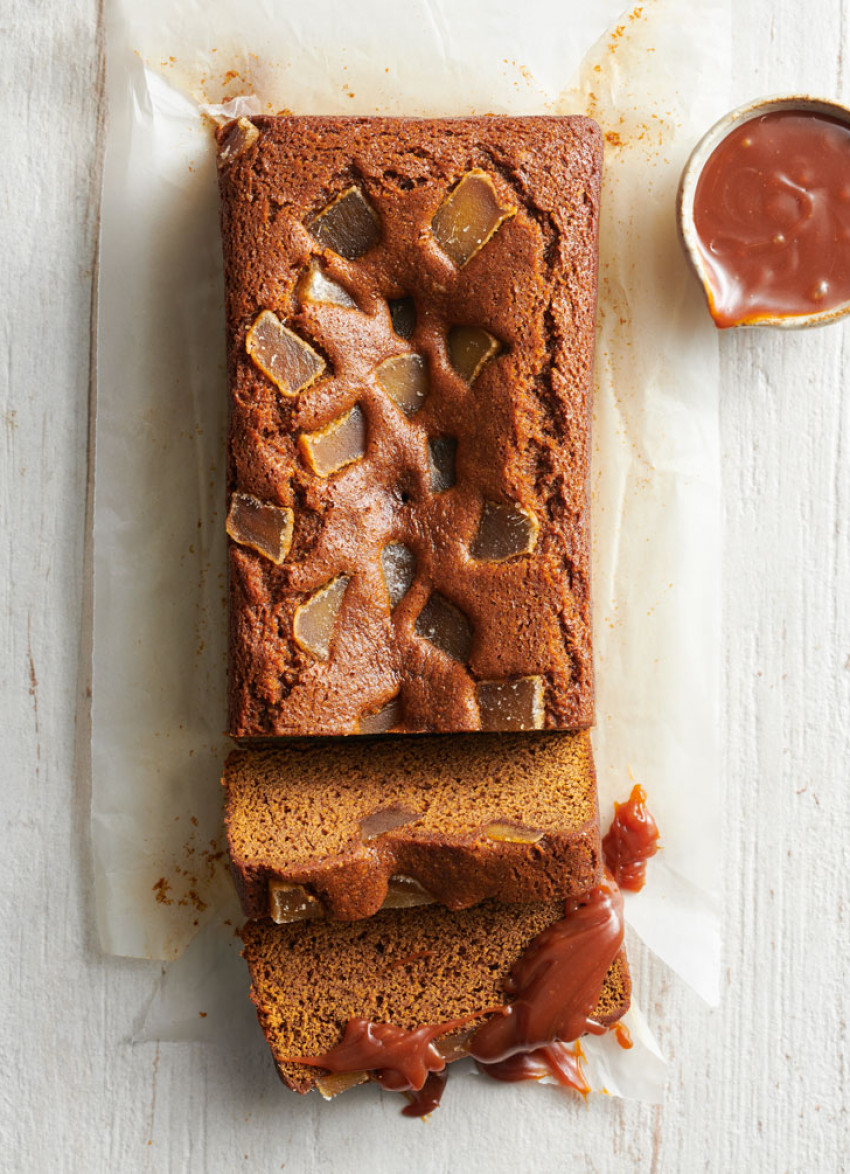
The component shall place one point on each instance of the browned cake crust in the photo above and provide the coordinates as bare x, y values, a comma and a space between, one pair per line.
512, 816
411, 968
520, 424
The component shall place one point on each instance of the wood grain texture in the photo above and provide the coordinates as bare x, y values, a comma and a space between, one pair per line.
760, 1084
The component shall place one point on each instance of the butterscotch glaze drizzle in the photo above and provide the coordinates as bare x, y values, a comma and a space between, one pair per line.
555, 985
553, 990
623, 1036
426, 1099
400, 1060
630, 841
559, 1061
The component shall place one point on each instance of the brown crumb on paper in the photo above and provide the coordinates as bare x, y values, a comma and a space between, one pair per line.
619, 32
199, 903
188, 887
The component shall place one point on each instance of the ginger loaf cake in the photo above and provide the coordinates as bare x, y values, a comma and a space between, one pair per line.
343, 1002
410, 314
342, 828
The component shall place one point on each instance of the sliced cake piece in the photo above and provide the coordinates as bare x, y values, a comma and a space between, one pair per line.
396, 997
341, 829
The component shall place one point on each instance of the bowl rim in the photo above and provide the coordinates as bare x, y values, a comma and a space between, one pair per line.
690, 177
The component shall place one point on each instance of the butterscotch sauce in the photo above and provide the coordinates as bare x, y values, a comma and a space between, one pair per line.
562, 1062
426, 1099
400, 1060
630, 841
554, 989
623, 1036
772, 214
555, 985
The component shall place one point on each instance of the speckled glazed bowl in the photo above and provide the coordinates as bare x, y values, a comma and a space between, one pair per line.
690, 178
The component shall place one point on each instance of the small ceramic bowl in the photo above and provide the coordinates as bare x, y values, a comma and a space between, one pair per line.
690, 178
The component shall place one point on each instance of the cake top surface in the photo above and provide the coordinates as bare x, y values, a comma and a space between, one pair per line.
410, 321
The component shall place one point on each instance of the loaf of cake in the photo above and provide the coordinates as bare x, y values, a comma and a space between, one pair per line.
410, 313
342, 828
340, 1001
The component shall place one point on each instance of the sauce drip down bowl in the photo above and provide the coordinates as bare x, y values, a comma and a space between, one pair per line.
747, 254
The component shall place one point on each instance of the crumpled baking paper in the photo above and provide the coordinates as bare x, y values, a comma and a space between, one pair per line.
654, 77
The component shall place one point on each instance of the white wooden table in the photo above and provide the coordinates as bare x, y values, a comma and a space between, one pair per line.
761, 1084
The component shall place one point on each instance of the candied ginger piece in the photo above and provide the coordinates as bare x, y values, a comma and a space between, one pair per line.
504, 531
511, 705
456, 1045
468, 217
470, 347
264, 527
442, 461
242, 135
398, 563
387, 819
403, 316
289, 361
289, 902
317, 288
336, 1082
446, 627
405, 380
381, 720
349, 225
340, 443
504, 832
404, 892
313, 625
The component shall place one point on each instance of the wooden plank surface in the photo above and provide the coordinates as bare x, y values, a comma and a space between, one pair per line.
760, 1084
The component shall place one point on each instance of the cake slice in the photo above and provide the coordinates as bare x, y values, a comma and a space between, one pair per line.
341, 828
410, 324
326, 991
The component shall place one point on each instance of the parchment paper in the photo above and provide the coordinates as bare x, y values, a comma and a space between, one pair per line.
654, 80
